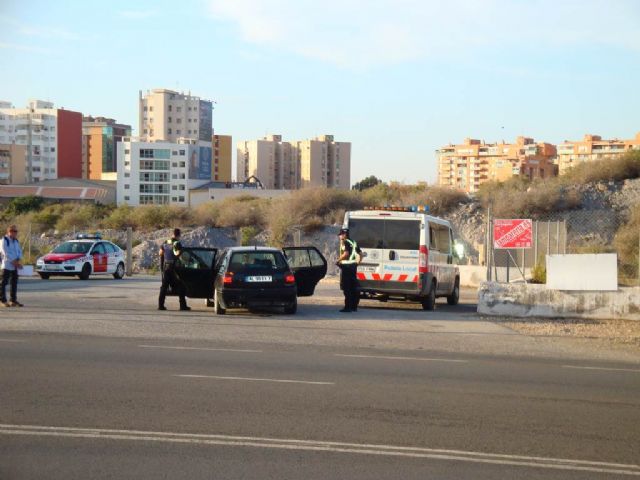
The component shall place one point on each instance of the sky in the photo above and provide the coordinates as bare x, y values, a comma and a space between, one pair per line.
396, 78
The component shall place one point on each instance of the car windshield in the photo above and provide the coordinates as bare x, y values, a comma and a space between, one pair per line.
72, 247
256, 260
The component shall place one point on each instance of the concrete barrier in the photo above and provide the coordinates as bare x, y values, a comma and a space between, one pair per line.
474, 275
527, 300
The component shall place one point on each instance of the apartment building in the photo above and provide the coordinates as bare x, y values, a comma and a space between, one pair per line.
468, 165
100, 138
318, 162
222, 147
166, 115
13, 160
324, 162
270, 160
592, 147
52, 137
159, 172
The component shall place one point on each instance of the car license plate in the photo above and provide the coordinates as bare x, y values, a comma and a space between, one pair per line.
53, 267
366, 268
259, 278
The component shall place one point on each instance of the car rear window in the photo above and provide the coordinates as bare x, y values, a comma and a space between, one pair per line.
256, 260
72, 247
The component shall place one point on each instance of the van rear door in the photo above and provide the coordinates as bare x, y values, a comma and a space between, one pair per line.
368, 233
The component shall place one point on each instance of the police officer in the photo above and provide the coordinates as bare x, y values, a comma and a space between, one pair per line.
169, 253
348, 263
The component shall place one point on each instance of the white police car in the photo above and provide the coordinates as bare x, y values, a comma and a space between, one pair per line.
84, 256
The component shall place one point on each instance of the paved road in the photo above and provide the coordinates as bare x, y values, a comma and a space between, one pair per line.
105, 387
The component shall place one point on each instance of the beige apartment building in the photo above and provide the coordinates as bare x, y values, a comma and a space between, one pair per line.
222, 147
468, 165
592, 147
318, 162
13, 161
166, 115
270, 160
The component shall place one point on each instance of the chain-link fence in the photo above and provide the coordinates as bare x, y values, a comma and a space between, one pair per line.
569, 232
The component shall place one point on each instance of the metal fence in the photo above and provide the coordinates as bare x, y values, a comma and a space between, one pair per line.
574, 231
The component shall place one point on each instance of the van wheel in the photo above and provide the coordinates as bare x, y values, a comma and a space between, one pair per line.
455, 295
429, 302
44, 276
216, 303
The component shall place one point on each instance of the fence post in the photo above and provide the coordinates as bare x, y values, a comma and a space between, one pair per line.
487, 256
558, 237
535, 244
129, 253
548, 237
564, 248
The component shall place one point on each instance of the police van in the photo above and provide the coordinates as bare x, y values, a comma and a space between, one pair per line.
406, 255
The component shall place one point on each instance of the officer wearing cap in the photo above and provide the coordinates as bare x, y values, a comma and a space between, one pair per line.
348, 261
169, 253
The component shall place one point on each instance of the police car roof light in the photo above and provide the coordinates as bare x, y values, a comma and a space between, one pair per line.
88, 236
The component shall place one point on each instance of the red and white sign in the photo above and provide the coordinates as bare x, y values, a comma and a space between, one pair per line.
512, 233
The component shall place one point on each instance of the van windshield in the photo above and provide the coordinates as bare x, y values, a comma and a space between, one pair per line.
385, 233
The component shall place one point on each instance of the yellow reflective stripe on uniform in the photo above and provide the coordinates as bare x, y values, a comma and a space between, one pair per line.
352, 257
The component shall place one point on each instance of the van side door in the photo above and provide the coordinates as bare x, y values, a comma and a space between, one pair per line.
308, 266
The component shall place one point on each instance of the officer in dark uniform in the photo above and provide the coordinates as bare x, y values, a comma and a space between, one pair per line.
169, 253
348, 263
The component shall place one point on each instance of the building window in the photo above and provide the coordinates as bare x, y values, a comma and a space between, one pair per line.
181, 152
169, 107
174, 187
126, 197
181, 199
182, 164
178, 109
178, 132
127, 174
168, 119
126, 186
178, 120
151, 109
174, 199
169, 131
127, 151
181, 187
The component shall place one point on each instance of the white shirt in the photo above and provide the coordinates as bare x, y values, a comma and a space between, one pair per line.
10, 251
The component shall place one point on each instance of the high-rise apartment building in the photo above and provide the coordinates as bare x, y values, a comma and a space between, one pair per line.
222, 146
166, 115
324, 162
270, 160
101, 136
160, 172
319, 162
591, 148
468, 165
53, 137
13, 159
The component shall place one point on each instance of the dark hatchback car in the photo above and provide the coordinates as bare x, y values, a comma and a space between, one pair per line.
251, 277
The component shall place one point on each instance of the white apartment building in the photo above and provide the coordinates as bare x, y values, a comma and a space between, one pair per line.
161, 173
53, 138
167, 115
319, 162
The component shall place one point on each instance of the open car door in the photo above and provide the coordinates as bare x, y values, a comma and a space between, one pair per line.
309, 267
194, 268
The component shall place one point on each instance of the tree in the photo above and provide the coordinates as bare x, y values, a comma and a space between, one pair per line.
370, 181
25, 204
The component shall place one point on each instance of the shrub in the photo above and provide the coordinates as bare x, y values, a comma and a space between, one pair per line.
539, 273
24, 204
79, 217
242, 211
120, 218
627, 244
247, 234
615, 169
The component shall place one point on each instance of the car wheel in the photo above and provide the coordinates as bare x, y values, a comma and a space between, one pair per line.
292, 307
455, 295
429, 302
119, 273
86, 271
44, 276
216, 303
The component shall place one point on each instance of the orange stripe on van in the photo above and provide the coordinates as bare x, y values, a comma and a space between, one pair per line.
387, 277
402, 278
361, 276
376, 276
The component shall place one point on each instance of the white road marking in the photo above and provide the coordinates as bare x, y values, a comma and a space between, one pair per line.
215, 377
201, 348
11, 340
603, 368
334, 447
402, 358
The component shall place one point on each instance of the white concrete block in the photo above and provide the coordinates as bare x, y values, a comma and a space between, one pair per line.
584, 272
